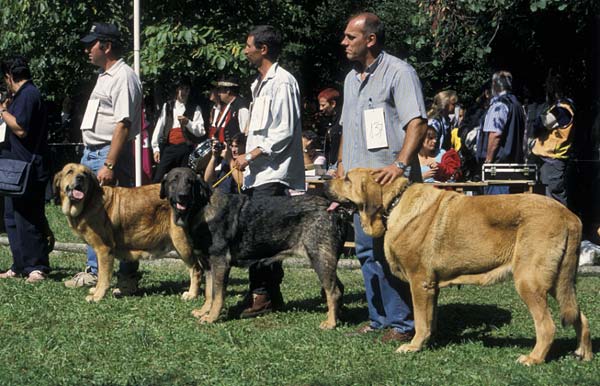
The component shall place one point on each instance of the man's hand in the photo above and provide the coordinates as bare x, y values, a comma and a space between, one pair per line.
387, 174
157, 157
340, 172
106, 176
183, 121
240, 162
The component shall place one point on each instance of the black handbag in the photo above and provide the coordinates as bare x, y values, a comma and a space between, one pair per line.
15, 174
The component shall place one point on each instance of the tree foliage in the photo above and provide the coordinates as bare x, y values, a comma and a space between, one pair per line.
451, 43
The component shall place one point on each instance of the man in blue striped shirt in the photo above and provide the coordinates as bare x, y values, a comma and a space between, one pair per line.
501, 140
382, 99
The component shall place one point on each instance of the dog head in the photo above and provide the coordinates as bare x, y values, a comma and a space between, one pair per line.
73, 187
359, 190
186, 192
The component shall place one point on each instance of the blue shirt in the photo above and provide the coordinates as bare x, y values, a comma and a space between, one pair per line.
393, 85
496, 116
29, 111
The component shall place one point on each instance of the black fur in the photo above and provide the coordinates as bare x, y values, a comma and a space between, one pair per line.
237, 230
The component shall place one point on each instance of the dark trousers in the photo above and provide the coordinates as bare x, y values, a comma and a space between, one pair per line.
552, 174
26, 224
172, 156
266, 278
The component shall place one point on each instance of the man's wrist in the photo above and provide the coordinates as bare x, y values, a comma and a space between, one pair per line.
109, 165
402, 166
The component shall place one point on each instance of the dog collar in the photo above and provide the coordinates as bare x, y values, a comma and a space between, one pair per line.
395, 202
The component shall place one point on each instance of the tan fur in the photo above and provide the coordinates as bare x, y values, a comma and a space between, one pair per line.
436, 238
122, 223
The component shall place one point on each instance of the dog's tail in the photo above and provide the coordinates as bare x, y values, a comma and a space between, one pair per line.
567, 272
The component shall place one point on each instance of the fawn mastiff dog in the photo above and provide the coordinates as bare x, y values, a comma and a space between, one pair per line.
235, 230
122, 223
435, 238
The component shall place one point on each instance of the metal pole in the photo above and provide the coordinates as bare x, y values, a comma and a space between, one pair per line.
136, 68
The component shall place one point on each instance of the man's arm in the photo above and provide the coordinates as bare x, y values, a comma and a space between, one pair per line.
196, 125
340, 172
119, 138
11, 122
415, 134
493, 145
158, 132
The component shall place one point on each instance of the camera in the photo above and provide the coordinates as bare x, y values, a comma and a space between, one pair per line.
4, 95
218, 146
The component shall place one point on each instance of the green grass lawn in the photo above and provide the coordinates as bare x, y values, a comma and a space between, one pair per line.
51, 336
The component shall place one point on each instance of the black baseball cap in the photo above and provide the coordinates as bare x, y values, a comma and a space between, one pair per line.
103, 32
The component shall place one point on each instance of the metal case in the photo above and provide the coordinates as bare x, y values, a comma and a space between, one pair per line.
509, 172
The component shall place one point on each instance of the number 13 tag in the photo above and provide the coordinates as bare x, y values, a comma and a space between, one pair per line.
375, 128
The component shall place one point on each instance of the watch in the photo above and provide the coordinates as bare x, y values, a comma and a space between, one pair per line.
405, 168
109, 165
248, 157
400, 165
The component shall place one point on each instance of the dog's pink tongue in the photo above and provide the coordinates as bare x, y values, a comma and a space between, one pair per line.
333, 206
180, 207
77, 194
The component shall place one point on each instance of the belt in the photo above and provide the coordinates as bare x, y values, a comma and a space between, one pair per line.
96, 147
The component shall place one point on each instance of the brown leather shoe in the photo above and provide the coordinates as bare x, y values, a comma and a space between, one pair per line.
261, 304
399, 337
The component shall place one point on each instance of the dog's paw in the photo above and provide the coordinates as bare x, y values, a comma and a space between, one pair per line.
92, 299
327, 325
405, 348
200, 312
583, 355
207, 319
187, 295
92, 290
528, 360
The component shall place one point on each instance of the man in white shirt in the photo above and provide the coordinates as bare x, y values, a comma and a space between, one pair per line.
180, 122
273, 162
112, 120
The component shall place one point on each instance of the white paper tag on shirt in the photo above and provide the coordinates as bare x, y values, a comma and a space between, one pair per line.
2, 131
375, 128
89, 118
260, 113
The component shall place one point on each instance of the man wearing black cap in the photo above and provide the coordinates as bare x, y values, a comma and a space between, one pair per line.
233, 116
112, 120
179, 124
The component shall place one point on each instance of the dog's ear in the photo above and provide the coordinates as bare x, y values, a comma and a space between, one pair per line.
163, 187
372, 209
201, 191
56, 188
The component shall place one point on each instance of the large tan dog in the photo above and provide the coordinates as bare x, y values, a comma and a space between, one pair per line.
122, 223
436, 238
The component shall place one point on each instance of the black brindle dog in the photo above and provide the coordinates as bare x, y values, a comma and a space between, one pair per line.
235, 230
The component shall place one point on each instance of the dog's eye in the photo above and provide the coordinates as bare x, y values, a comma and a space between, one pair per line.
69, 171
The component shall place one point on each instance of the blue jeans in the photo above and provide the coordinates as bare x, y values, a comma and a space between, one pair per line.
496, 189
94, 158
388, 298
